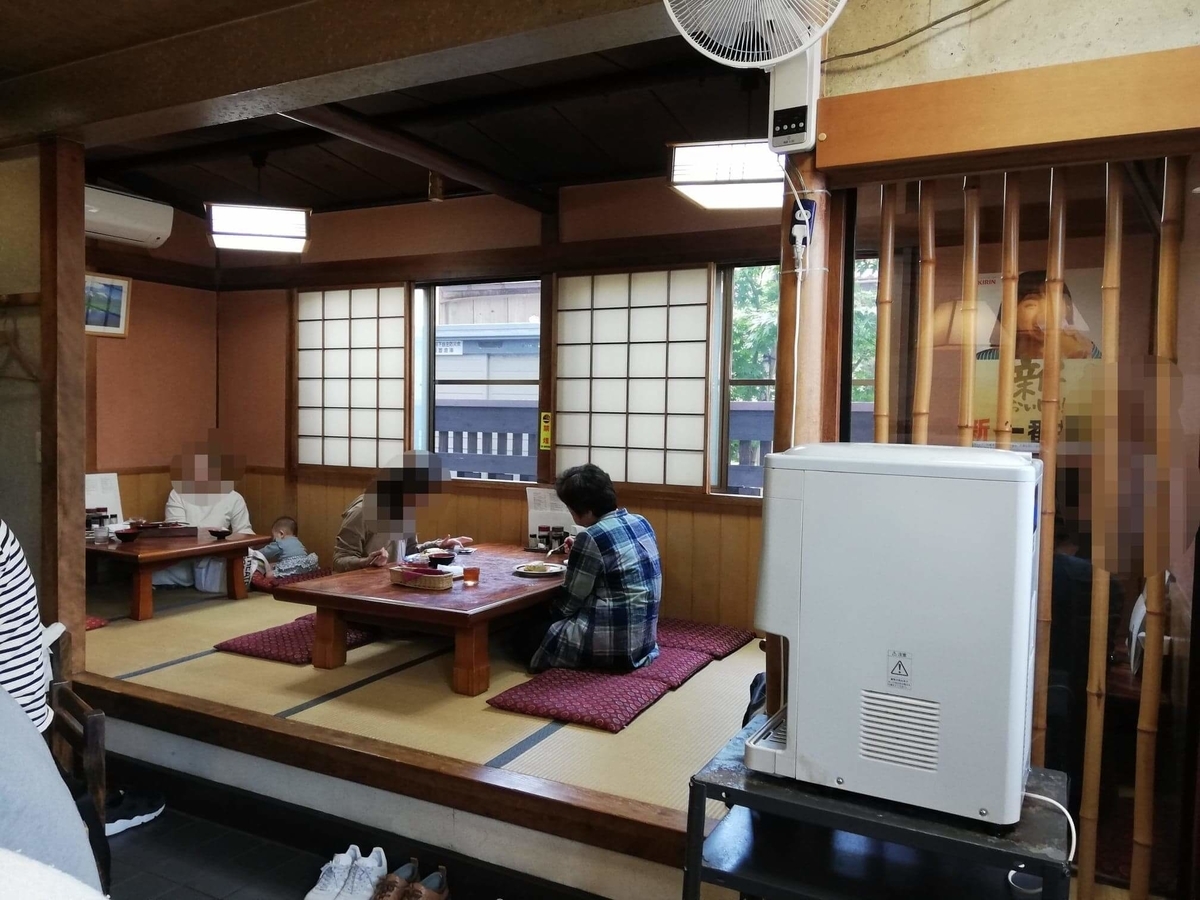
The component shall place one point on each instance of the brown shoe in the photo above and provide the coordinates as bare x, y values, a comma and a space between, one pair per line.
395, 885
434, 887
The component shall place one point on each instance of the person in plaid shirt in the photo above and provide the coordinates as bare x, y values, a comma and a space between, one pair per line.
607, 614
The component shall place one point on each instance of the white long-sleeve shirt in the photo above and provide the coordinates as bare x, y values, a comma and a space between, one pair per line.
210, 511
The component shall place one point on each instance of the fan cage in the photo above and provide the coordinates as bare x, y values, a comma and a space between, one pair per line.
749, 34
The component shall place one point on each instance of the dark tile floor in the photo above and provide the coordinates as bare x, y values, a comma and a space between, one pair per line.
179, 857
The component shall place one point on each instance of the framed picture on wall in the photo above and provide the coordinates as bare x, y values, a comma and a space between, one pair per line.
106, 305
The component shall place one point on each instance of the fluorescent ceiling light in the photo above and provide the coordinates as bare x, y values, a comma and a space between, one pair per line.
728, 175
270, 228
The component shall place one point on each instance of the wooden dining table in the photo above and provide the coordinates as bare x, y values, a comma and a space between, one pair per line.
147, 555
466, 611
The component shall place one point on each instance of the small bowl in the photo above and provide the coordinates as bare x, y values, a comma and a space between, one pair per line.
220, 533
441, 558
127, 535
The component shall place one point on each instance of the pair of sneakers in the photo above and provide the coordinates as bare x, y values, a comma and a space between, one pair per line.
403, 885
350, 876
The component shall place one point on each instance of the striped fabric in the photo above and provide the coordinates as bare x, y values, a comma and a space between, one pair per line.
23, 663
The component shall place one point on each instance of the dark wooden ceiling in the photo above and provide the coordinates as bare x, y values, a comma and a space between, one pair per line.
599, 117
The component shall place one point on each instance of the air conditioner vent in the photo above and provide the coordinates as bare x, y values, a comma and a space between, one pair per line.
899, 730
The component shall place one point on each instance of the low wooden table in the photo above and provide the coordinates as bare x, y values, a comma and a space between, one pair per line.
369, 593
147, 555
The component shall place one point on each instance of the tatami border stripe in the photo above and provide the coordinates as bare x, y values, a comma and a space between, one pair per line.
370, 679
165, 665
524, 745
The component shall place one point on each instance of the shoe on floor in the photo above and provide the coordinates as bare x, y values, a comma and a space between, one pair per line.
334, 874
434, 887
128, 809
394, 886
365, 875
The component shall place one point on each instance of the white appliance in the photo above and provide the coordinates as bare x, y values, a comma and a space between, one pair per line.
904, 580
113, 216
795, 88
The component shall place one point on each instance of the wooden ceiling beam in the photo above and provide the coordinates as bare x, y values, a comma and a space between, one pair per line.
345, 124
438, 114
304, 55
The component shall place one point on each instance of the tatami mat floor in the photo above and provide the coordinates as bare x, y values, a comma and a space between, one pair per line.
398, 690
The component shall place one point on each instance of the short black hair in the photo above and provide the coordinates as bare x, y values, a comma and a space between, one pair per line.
286, 523
587, 488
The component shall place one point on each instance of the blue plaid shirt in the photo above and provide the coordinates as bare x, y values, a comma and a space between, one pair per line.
608, 611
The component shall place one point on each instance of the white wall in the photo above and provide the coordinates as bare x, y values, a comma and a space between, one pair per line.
1001, 36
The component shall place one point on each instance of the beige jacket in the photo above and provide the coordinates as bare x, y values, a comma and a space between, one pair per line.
355, 542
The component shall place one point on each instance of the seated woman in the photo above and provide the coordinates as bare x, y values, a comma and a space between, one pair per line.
202, 495
385, 514
607, 615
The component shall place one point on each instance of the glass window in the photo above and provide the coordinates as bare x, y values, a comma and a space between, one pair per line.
486, 349
751, 311
862, 355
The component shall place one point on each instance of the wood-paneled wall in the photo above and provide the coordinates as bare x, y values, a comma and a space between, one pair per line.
709, 547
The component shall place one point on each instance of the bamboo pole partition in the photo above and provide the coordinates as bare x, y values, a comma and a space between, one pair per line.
810, 354
1105, 432
1051, 389
1157, 517
928, 270
1010, 271
883, 319
970, 291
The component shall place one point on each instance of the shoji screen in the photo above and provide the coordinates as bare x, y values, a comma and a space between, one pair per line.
632, 357
350, 348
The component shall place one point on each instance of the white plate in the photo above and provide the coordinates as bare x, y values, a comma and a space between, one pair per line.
551, 569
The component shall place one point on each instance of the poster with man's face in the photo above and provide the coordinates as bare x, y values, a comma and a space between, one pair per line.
1080, 343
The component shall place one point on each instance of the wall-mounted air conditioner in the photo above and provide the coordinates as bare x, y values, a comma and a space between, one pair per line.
113, 216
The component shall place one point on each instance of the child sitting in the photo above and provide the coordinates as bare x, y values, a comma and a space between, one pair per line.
286, 555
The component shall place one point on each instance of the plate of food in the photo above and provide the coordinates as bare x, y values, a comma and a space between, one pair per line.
539, 569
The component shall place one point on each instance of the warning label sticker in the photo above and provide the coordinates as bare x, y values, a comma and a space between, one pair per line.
900, 670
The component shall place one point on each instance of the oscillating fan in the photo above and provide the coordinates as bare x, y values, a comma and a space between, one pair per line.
781, 36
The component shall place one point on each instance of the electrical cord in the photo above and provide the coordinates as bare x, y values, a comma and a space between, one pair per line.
1063, 809
912, 34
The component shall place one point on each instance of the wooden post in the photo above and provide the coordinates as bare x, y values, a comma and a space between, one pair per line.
970, 290
64, 392
1051, 388
1010, 251
925, 285
1105, 487
1157, 518
810, 358
785, 401
883, 320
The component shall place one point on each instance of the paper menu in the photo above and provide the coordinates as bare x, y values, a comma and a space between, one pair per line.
102, 489
545, 509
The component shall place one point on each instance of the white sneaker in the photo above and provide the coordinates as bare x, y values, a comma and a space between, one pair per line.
334, 874
364, 877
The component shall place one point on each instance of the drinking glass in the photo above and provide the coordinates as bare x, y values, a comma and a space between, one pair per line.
470, 576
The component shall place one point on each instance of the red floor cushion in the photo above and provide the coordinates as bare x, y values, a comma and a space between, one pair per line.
290, 643
94, 622
716, 640
673, 666
609, 702
261, 582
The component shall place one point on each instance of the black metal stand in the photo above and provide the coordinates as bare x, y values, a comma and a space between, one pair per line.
788, 840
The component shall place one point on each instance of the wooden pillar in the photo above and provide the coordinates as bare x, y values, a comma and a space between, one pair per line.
883, 319
547, 373
1051, 375
1010, 272
64, 413
1105, 491
785, 354
810, 359
840, 217
925, 287
970, 290
1157, 519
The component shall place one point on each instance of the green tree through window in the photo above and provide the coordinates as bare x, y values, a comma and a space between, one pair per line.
862, 356
755, 338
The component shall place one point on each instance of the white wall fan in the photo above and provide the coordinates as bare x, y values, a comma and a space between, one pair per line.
781, 36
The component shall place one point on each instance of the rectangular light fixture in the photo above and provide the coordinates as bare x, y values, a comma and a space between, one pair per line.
728, 174
272, 228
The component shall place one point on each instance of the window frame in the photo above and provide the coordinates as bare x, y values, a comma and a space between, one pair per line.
727, 381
